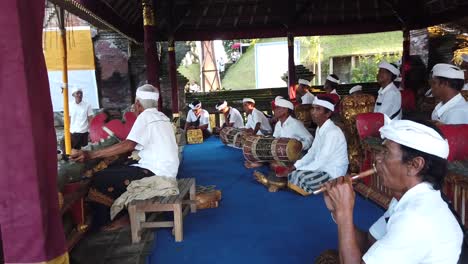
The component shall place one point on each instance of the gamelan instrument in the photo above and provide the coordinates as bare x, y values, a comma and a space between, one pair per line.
353, 178
233, 137
258, 149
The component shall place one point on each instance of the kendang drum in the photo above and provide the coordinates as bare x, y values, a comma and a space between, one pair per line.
258, 149
233, 137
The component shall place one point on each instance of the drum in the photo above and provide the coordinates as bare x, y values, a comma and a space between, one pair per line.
233, 137
258, 149
303, 114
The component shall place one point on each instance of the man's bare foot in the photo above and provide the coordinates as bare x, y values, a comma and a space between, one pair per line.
117, 224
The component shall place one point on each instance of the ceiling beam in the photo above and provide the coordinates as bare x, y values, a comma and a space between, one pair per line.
223, 13
239, 13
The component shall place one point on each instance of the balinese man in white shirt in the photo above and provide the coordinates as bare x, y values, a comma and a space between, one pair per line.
327, 158
357, 89
389, 97
153, 136
80, 118
257, 122
418, 226
331, 84
198, 118
446, 82
232, 116
306, 97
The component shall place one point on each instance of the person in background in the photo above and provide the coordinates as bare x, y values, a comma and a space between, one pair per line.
257, 122
80, 119
357, 89
198, 118
232, 116
389, 97
306, 97
331, 84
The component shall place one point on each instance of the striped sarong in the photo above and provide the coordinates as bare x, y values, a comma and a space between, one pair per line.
309, 181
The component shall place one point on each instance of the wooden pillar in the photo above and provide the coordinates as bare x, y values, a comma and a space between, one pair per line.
405, 58
30, 222
151, 53
173, 75
291, 68
330, 67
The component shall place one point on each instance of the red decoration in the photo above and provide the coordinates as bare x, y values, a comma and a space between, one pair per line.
120, 129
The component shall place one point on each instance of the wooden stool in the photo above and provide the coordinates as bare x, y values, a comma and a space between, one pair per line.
138, 208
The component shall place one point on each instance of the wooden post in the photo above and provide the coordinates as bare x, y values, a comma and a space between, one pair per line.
291, 68
405, 58
330, 67
173, 75
151, 53
66, 110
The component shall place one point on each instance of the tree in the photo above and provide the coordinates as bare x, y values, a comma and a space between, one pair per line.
367, 68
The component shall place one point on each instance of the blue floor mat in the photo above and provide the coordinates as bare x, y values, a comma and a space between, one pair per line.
251, 224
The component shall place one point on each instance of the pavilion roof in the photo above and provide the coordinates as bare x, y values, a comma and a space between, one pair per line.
237, 19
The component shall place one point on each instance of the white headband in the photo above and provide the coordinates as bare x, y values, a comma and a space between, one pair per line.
145, 95
465, 57
304, 82
398, 79
198, 106
448, 71
355, 89
76, 89
323, 103
284, 103
248, 100
389, 67
416, 136
331, 79
221, 106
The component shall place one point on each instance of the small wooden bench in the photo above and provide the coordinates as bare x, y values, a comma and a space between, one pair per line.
179, 204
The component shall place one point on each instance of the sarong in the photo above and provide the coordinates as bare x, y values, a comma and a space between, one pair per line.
308, 181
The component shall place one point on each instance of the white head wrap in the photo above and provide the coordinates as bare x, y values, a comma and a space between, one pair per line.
197, 106
416, 136
448, 71
284, 103
147, 95
464, 57
323, 103
76, 89
304, 82
221, 106
331, 79
248, 100
398, 79
355, 89
389, 67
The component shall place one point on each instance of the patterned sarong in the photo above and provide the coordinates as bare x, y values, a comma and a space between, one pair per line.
309, 181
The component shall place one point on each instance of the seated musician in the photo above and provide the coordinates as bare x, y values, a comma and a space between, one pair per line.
257, 122
419, 226
232, 116
331, 84
446, 83
305, 96
357, 89
289, 127
389, 97
464, 67
328, 156
198, 118
153, 135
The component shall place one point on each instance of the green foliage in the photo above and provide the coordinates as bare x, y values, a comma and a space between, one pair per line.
241, 75
367, 67
191, 72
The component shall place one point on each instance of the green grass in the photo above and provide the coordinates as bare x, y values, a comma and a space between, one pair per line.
191, 72
241, 75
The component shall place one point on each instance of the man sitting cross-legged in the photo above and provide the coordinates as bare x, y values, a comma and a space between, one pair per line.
153, 135
328, 156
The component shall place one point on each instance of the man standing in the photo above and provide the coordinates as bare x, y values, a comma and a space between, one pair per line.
389, 99
327, 158
153, 135
257, 122
446, 83
80, 118
418, 226
303, 91
198, 118
232, 116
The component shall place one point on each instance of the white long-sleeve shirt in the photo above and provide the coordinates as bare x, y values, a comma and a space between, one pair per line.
236, 118
389, 102
204, 118
307, 98
453, 112
293, 128
258, 117
329, 152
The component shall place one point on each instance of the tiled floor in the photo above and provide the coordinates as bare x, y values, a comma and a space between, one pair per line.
112, 248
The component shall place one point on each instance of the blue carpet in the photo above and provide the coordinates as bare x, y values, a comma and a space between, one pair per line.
251, 225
